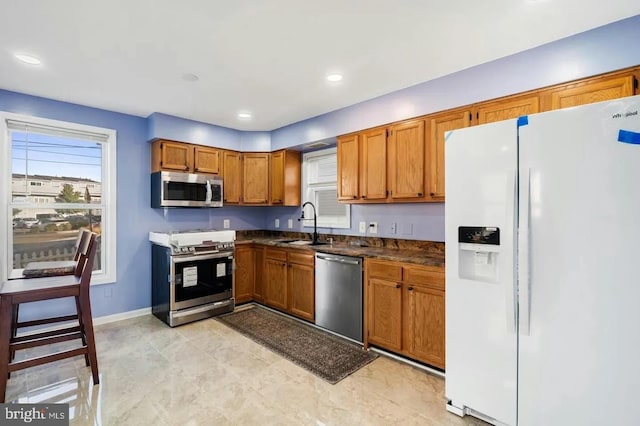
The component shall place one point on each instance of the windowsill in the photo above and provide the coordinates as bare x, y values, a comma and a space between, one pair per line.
96, 279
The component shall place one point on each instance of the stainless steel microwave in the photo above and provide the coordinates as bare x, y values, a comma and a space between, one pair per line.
175, 189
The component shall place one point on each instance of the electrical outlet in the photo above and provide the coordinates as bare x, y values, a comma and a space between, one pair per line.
394, 228
363, 227
290, 223
277, 223
226, 224
373, 227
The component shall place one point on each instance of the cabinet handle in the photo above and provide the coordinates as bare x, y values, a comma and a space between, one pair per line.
186, 166
410, 288
419, 194
355, 196
432, 194
364, 197
195, 169
398, 285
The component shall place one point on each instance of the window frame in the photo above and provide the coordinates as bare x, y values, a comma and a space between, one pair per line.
108, 274
345, 222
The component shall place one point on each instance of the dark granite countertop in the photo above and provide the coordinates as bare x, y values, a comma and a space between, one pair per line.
415, 254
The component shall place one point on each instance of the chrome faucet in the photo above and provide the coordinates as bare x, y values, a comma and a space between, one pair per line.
315, 221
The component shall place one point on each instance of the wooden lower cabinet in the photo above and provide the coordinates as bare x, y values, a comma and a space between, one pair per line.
275, 285
405, 310
244, 274
289, 283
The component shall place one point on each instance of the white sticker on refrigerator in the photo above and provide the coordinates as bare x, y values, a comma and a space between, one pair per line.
190, 276
221, 269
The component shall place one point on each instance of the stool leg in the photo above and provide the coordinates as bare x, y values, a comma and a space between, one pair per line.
5, 341
85, 308
82, 329
14, 327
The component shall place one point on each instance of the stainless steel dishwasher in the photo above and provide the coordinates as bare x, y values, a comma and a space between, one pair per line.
339, 294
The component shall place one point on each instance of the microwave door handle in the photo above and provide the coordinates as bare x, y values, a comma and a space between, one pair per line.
208, 200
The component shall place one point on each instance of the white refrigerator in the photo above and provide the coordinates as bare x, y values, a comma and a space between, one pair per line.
543, 268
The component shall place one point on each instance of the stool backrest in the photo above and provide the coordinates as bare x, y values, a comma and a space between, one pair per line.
86, 253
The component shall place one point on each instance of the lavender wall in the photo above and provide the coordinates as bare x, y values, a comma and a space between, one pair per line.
600, 50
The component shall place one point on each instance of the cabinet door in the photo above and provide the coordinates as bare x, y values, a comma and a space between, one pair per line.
232, 177
424, 324
373, 167
511, 107
275, 290
244, 274
302, 291
348, 168
206, 160
256, 178
176, 156
258, 287
384, 313
407, 160
594, 90
437, 126
277, 178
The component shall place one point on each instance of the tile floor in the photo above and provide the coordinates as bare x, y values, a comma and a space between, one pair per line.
207, 374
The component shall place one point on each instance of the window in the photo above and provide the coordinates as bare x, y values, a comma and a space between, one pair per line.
319, 171
60, 177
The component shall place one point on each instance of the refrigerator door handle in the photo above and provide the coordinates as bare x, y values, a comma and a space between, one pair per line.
511, 288
524, 291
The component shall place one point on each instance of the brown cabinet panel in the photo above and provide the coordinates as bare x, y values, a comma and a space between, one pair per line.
258, 287
170, 155
430, 276
384, 313
424, 324
594, 90
301, 290
373, 167
244, 274
206, 160
407, 160
232, 177
504, 109
348, 167
302, 258
437, 126
286, 167
275, 291
390, 271
255, 178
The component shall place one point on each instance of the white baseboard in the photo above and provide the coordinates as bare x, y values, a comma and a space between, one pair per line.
121, 316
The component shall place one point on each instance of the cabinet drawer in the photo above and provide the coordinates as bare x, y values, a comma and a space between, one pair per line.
300, 257
425, 275
387, 270
276, 254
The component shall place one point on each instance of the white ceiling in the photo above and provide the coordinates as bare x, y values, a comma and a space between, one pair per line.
269, 57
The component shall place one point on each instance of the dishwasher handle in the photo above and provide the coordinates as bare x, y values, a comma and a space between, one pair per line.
338, 259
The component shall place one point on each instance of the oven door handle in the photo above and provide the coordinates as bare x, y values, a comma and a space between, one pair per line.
195, 258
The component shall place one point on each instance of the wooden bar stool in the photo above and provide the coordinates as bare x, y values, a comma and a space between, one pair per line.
15, 292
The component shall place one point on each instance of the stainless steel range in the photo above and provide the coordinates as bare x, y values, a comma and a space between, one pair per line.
192, 275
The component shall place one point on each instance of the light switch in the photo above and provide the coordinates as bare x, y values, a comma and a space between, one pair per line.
290, 223
277, 223
226, 224
363, 227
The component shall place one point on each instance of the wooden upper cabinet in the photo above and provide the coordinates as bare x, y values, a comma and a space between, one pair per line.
232, 177
255, 178
286, 180
206, 160
170, 155
437, 126
590, 91
348, 167
407, 160
373, 164
506, 108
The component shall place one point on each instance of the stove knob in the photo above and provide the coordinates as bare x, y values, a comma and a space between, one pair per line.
192, 249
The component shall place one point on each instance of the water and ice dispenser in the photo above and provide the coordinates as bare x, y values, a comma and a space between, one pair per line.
478, 253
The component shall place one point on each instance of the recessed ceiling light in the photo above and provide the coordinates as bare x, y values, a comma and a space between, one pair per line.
27, 59
190, 77
244, 115
334, 77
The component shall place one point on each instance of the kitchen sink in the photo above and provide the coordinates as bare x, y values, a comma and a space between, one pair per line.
306, 243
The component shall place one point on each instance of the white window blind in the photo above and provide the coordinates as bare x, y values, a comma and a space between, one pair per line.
319, 186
